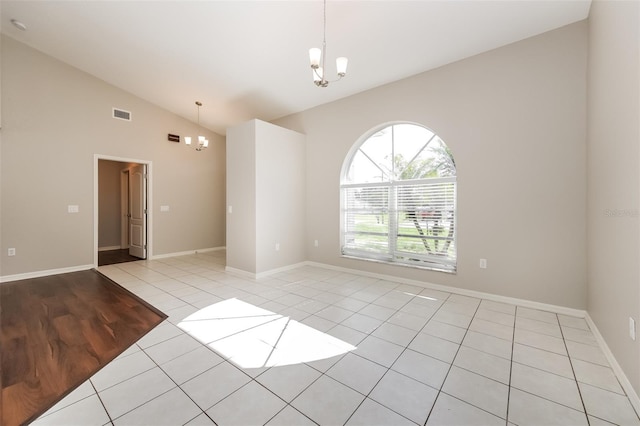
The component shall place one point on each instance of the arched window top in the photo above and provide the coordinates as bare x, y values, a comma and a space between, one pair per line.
400, 152
398, 199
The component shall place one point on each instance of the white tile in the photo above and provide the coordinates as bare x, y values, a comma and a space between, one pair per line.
351, 304
395, 334
477, 390
347, 334
318, 323
450, 411
172, 348
189, 365
504, 308
573, 322
485, 364
250, 405
311, 306
328, 402
378, 350
536, 314
88, 411
334, 313
171, 408
421, 309
405, 396
452, 318
434, 347
580, 336
489, 344
290, 416
125, 396
201, 420
494, 316
540, 341
122, 369
423, 368
527, 409
594, 421
492, 329
596, 375
356, 372
546, 385
288, 381
543, 360
458, 308
409, 320
371, 413
537, 326
609, 406
445, 331
362, 323
164, 331
378, 312
585, 352
226, 379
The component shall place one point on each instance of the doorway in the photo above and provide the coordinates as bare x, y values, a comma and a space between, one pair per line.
121, 213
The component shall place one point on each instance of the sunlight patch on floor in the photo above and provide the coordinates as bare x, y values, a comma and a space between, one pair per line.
252, 337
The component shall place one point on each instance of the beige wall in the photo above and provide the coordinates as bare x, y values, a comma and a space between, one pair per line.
266, 189
109, 212
613, 209
55, 119
514, 119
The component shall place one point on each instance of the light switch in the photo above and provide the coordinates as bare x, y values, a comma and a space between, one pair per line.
164, 208
230, 209
72, 208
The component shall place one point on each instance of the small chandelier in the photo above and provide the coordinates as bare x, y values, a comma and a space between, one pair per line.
317, 57
202, 141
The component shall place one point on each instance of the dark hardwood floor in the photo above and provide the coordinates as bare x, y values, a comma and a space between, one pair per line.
110, 257
57, 331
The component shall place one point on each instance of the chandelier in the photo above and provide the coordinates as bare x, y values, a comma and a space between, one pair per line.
202, 141
317, 58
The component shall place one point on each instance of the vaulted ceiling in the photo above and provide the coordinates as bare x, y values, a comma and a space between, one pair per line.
249, 59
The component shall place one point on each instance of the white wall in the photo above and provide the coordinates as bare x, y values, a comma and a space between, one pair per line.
514, 119
613, 208
55, 119
265, 188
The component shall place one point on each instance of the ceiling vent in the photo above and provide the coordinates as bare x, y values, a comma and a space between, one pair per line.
121, 114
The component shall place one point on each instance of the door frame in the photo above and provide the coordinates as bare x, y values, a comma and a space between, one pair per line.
96, 158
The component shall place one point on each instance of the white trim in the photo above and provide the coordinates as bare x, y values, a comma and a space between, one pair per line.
472, 293
265, 273
45, 273
109, 248
624, 381
186, 253
96, 193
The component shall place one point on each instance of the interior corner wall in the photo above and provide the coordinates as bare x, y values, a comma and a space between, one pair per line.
265, 192
55, 119
613, 165
515, 120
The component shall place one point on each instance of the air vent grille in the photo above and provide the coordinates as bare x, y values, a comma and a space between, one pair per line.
121, 114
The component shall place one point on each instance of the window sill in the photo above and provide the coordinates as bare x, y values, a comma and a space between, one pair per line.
400, 264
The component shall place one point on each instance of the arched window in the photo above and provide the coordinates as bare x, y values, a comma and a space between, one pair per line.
398, 197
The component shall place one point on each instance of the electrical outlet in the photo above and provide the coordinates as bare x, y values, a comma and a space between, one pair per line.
277, 246
315, 243
632, 328
483, 263
73, 208
11, 252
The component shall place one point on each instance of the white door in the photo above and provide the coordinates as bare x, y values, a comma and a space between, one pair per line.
138, 211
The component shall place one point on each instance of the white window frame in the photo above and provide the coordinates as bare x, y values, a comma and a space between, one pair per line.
392, 255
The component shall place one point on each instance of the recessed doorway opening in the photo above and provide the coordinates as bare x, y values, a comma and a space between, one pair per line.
121, 212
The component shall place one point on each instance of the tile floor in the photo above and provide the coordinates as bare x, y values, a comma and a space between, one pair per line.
315, 346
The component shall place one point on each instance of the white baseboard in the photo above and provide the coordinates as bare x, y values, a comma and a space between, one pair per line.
186, 253
108, 248
471, 293
265, 274
38, 274
624, 380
